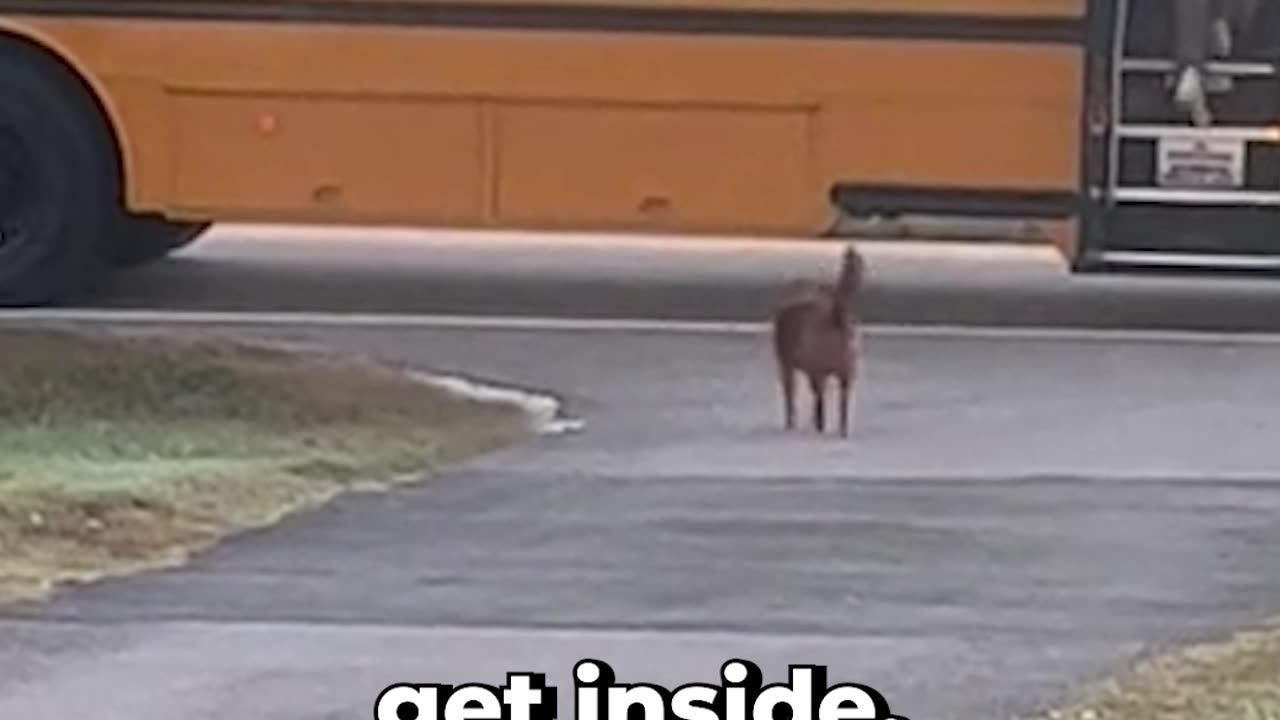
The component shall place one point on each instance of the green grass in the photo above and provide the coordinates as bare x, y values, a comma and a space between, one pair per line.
1235, 679
124, 453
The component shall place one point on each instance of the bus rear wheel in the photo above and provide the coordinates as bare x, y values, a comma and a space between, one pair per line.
55, 182
139, 240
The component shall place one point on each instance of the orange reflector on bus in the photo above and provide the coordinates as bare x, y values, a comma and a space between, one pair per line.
267, 123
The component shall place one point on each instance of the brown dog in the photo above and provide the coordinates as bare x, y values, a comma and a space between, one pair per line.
815, 332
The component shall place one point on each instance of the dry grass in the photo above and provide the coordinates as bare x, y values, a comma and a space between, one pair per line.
121, 454
1236, 679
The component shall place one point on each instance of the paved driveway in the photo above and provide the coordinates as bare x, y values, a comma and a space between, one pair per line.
1015, 517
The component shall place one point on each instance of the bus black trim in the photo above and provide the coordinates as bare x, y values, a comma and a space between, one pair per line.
1095, 163
870, 200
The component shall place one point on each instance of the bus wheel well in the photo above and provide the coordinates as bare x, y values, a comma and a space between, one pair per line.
78, 87
127, 239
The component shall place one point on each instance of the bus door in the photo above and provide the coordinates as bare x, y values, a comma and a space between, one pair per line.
1182, 165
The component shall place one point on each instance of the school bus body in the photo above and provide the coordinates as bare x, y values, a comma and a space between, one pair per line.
683, 116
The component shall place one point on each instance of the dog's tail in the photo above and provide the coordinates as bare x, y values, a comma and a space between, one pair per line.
848, 289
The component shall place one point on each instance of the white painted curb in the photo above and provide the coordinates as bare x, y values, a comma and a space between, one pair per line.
544, 411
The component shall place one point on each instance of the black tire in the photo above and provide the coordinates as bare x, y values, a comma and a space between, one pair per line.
58, 181
138, 240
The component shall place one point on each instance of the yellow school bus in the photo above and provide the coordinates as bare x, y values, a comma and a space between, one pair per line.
127, 126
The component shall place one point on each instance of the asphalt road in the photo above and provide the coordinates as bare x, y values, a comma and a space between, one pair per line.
1014, 517
338, 270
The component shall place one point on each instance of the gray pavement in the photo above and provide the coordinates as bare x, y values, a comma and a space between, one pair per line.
338, 270
1014, 517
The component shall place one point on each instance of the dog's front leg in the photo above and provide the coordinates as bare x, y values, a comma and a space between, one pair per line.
846, 402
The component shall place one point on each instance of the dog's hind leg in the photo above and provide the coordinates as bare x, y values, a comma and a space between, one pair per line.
787, 378
817, 385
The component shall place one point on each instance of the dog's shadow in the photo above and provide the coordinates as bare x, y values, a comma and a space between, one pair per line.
766, 432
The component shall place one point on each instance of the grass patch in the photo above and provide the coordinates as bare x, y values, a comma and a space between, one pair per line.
119, 454
1236, 679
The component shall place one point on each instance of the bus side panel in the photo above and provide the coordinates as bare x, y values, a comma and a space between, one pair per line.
293, 156
148, 143
273, 121
639, 166
989, 118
